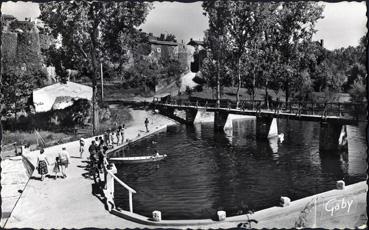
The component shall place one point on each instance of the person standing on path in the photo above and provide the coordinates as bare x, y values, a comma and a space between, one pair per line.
92, 148
56, 169
42, 164
64, 161
81, 147
147, 124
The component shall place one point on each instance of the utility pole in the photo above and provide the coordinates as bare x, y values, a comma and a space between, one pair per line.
102, 82
1, 71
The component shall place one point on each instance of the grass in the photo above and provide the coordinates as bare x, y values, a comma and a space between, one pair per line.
22, 138
119, 115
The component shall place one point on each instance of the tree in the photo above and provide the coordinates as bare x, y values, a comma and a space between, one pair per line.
295, 22
16, 88
216, 39
93, 32
244, 27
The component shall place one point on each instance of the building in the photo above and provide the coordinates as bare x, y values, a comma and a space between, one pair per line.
59, 96
198, 55
168, 50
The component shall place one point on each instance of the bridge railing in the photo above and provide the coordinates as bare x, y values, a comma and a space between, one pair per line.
294, 107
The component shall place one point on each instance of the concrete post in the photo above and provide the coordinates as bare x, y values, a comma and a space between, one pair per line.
266, 127
190, 116
220, 118
329, 136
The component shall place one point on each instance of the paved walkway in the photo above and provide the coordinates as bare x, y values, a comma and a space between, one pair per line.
69, 202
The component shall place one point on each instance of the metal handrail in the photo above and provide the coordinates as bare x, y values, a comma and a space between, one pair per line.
121, 182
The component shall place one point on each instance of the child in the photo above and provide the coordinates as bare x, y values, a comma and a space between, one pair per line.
56, 169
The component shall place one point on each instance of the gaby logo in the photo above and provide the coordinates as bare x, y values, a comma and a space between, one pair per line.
336, 205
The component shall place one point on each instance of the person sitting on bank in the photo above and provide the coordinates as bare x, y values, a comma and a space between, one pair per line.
42, 164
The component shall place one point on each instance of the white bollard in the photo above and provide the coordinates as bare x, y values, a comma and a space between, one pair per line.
285, 201
221, 215
156, 215
340, 185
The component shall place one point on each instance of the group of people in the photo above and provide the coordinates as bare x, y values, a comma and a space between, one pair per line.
97, 151
114, 137
61, 163
98, 160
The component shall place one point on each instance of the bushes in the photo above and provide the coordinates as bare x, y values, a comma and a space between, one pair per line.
68, 118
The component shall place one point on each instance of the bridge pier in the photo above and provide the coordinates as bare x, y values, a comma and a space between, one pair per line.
266, 127
333, 136
190, 116
220, 119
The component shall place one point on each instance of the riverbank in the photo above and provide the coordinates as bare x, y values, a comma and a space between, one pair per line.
70, 203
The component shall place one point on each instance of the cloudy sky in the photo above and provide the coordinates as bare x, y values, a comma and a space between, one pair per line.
343, 24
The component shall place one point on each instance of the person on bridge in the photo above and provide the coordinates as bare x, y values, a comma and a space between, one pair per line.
147, 124
42, 164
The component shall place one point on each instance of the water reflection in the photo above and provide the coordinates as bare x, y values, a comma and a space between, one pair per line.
206, 170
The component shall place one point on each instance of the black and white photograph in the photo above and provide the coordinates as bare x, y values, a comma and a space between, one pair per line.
183, 115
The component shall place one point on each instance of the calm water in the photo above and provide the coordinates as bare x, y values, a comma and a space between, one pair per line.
206, 171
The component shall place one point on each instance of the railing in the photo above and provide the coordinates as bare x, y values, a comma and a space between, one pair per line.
295, 107
109, 188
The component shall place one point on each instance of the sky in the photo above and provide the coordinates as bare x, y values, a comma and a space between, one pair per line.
343, 24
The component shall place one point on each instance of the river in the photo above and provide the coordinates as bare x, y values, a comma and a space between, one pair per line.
206, 171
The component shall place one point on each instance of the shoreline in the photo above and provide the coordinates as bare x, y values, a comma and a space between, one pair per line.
29, 212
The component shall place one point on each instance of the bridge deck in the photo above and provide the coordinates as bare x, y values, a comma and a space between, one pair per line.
349, 120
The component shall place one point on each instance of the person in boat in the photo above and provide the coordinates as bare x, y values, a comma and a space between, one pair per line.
147, 124
156, 153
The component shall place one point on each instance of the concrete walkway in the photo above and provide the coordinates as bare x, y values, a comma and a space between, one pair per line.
69, 202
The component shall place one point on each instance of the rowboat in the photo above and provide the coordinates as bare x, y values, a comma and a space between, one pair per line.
141, 159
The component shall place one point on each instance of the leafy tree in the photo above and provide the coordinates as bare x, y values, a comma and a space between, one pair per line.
16, 88
93, 32
244, 26
216, 40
